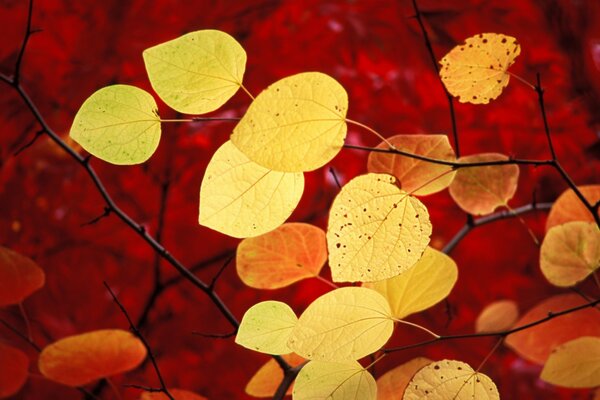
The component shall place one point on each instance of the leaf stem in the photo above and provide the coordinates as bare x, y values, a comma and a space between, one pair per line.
532, 87
247, 91
373, 131
487, 357
401, 321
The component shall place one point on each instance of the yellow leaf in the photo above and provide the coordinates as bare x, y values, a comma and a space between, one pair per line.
197, 72
345, 324
449, 379
266, 327
297, 124
570, 252
429, 281
497, 316
290, 253
413, 174
118, 124
81, 359
480, 190
241, 199
476, 71
391, 385
266, 380
20, 276
575, 364
569, 208
334, 381
376, 231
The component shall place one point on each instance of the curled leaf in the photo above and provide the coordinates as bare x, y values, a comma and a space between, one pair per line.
497, 316
334, 381
568, 207
266, 380
574, 364
19, 277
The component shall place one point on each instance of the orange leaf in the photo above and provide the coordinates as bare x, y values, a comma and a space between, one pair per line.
178, 394
569, 208
19, 277
497, 316
535, 344
266, 380
480, 190
80, 359
391, 385
290, 253
414, 174
14, 370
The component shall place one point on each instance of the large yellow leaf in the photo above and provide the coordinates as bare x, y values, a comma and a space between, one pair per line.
328, 380
570, 252
569, 208
429, 281
415, 175
575, 364
343, 325
450, 380
118, 124
81, 359
376, 231
391, 385
266, 327
292, 252
19, 277
536, 343
197, 72
497, 316
476, 71
297, 124
241, 199
480, 190
266, 380
14, 370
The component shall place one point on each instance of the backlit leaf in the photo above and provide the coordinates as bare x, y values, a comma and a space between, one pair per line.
413, 174
450, 380
376, 231
19, 277
266, 380
241, 199
570, 252
14, 370
345, 324
575, 364
497, 316
266, 327
118, 124
178, 394
290, 253
476, 71
536, 343
569, 208
480, 190
197, 72
429, 281
297, 124
391, 385
81, 359
334, 381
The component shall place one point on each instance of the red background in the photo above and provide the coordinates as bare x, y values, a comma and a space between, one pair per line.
376, 51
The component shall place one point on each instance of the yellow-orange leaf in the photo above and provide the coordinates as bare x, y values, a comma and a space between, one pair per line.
81, 359
345, 324
297, 124
414, 176
266, 380
477, 70
497, 316
569, 208
334, 381
570, 252
14, 366
242, 199
376, 231
292, 252
178, 394
391, 385
575, 364
429, 281
480, 190
449, 379
19, 277
536, 343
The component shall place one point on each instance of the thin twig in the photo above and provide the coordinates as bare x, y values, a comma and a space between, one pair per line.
540, 92
215, 335
21, 335
17, 74
30, 143
219, 272
335, 177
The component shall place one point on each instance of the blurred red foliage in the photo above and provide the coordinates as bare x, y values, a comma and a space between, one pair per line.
376, 50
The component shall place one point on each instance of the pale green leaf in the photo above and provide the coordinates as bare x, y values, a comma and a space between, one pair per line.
334, 381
